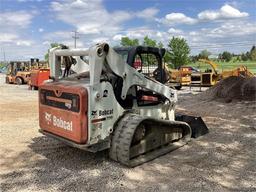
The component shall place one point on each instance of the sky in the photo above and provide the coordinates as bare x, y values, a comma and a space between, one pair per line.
28, 27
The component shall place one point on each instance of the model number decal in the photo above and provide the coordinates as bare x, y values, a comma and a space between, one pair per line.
104, 112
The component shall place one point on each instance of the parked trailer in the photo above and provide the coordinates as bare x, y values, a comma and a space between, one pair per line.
37, 77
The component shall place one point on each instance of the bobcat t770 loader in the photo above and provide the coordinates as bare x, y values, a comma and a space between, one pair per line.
117, 100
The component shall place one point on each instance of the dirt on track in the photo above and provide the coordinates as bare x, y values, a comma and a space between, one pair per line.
223, 160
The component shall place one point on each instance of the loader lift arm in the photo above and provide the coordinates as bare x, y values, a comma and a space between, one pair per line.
102, 55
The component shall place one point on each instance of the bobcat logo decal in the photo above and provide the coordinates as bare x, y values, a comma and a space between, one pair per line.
48, 117
94, 113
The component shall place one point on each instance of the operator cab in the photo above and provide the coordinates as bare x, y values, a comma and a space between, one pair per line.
148, 61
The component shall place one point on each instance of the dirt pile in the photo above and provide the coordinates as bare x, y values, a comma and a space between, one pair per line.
232, 88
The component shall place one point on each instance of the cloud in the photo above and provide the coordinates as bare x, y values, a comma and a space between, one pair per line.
117, 37
46, 43
24, 43
175, 31
147, 13
70, 43
96, 23
159, 34
89, 17
64, 37
18, 19
233, 36
100, 40
24, 52
24, 1
7, 38
57, 35
193, 33
174, 18
140, 32
232, 29
225, 12
12, 24
41, 30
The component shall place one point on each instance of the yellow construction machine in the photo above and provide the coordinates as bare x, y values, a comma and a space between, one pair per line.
241, 71
211, 76
178, 77
17, 73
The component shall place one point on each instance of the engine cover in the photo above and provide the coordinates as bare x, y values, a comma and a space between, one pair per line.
63, 111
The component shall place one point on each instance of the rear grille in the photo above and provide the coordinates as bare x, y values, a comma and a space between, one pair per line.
66, 101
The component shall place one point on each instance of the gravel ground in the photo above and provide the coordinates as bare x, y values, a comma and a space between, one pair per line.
223, 160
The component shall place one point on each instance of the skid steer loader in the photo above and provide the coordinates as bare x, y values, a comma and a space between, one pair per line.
114, 103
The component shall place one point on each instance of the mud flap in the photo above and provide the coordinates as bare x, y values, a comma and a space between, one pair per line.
197, 124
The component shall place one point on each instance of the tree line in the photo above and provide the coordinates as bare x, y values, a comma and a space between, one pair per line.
227, 56
178, 51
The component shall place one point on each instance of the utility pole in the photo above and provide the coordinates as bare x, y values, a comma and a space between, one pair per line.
75, 37
4, 55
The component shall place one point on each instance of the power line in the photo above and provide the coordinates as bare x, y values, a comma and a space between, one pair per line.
75, 37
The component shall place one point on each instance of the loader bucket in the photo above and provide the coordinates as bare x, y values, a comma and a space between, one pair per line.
196, 123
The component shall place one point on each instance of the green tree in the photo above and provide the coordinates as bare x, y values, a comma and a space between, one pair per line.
194, 58
204, 54
248, 55
160, 45
179, 51
167, 57
46, 56
127, 42
244, 57
149, 42
253, 53
220, 57
226, 56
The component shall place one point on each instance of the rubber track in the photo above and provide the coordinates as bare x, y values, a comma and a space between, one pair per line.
115, 140
123, 149
122, 138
